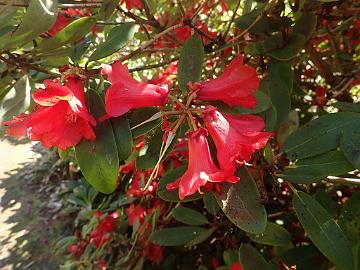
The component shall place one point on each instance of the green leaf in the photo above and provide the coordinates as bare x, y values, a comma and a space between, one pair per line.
347, 106
350, 146
201, 237
16, 100
306, 24
263, 103
323, 230
349, 219
176, 236
69, 34
290, 50
39, 17
280, 88
173, 196
274, 235
211, 204
98, 159
117, 39
190, 62
123, 136
316, 168
273, 42
327, 202
356, 252
251, 259
139, 116
320, 135
107, 8
189, 216
304, 257
79, 49
241, 203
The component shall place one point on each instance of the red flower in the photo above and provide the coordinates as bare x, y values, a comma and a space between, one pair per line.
236, 137
60, 119
154, 253
126, 93
201, 168
60, 23
135, 212
236, 266
234, 86
130, 4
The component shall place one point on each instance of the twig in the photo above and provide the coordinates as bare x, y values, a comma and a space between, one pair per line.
154, 65
232, 19
26, 65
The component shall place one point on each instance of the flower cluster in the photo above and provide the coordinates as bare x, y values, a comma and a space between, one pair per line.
61, 119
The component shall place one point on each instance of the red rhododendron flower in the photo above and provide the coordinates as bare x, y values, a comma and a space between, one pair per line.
236, 137
126, 93
60, 23
154, 253
234, 87
236, 266
130, 4
135, 212
201, 168
60, 119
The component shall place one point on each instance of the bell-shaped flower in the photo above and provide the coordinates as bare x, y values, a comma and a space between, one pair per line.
201, 167
234, 86
60, 119
236, 137
125, 93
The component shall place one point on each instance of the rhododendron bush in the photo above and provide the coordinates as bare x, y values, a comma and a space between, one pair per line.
204, 134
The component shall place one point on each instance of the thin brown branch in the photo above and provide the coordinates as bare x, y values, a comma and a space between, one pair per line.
232, 19
161, 64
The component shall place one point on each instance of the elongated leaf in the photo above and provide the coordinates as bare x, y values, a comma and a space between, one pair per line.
306, 24
241, 203
139, 116
274, 235
349, 219
350, 146
69, 34
176, 236
211, 204
123, 136
303, 257
251, 259
189, 216
323, 230
173, 196
107, 8
16, 100
39, 17
347, 106
118, 37
314, 169
280, 88
320, 135
327, 202
98, 160
190, 62
203, 236
290, 50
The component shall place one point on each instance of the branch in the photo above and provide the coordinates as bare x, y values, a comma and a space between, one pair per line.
154, 65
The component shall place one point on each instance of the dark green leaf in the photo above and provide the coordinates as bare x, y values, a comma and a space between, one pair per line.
190, 62
320, 135
123, 136
349, 219
323, 230
98, 159
241, 203
304, 257
356, 252
173, 196
211, 204
274, 235
176, 236
316, 168
327, 202
118, 37
201, 237
79, 50
290, 50
39, 17
69, 34
251, 259
350, 146
280, 88
261, 47
189, 216
141, 115
107, 8
230, 256
347, 106
306, 24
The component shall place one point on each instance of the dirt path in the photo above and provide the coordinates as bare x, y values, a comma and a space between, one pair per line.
25, 231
